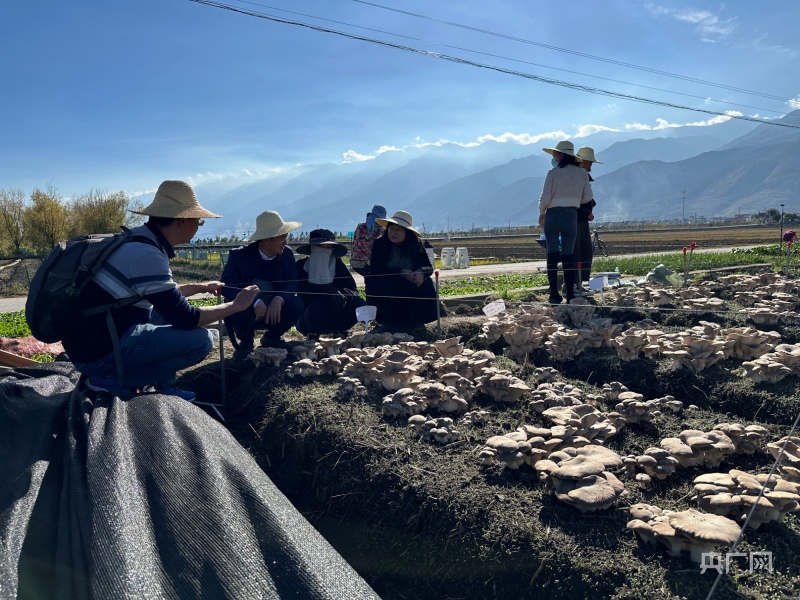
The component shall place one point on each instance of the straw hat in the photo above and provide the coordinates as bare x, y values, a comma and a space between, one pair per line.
176, 200
587, 154
324, 238
401, 218
564, 146
269, 224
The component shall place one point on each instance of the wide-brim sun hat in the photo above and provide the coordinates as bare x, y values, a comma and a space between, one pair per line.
564, 146
176, 200
270, 224
587, 154
324, 238
401, 218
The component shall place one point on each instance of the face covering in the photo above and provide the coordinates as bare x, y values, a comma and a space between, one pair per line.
553, 162
321, 265
371, 223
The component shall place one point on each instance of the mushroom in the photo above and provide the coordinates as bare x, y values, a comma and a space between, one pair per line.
331, 345
304, 368
474, 418
704, 531
403, 402
545, 374
449, 347
502, 387
351, 385
270, 356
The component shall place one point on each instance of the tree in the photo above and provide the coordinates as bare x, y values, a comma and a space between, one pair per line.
101, 212
12, 208
46, 220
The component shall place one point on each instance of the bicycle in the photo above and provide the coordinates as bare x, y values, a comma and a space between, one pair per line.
598, 245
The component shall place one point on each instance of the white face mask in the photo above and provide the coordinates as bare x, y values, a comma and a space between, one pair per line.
321, 265
553, 162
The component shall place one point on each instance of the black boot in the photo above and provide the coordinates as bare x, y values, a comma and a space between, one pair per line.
570, 275
552, 277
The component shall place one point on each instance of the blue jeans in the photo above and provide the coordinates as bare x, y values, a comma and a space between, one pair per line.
562, 221
152, 354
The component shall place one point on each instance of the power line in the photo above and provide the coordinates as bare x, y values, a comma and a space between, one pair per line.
574, 52
566, 84
416, 39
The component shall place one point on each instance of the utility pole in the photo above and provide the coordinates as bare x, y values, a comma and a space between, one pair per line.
781, 240
683, 198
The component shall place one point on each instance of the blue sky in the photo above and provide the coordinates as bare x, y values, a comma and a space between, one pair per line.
123, 94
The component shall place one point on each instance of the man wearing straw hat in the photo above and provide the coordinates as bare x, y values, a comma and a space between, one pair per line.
267, 262
161, 333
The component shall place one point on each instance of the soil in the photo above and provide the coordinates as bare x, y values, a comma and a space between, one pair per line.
418, 520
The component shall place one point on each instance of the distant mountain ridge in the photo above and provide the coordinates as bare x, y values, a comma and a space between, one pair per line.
498, 184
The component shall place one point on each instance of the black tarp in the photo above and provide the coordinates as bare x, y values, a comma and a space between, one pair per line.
144, 498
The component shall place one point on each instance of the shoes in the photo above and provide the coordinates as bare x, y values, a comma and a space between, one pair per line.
174, 391
278, 343
555, 299
110, 385
242, 353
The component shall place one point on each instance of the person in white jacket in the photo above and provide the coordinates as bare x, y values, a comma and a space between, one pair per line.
566, 187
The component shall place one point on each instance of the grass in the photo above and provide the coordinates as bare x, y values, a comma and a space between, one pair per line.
641, 265
490, 284
13, 325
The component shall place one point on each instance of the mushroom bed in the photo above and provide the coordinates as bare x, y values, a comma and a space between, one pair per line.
543, 469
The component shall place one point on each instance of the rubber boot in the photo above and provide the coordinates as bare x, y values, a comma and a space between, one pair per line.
552, 277
570, 275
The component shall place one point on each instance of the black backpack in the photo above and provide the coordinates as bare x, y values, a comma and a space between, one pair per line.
54, 309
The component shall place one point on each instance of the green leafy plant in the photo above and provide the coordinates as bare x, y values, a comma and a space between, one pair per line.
13, 325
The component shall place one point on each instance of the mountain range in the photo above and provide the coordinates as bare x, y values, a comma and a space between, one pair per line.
726, 169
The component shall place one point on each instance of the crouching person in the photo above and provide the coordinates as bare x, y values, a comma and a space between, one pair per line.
161, 333
400, 282
327, 288
267, 262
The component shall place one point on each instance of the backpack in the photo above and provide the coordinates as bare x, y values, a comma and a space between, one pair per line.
53, 309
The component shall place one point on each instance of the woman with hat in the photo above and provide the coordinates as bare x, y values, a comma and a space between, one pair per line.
566, 187
583, 245
327, 289
364, 236
267, 262
400, 283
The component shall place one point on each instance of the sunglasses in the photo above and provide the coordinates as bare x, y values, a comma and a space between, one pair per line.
201, 222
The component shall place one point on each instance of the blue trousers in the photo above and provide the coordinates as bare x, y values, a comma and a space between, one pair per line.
561, 221
153, 354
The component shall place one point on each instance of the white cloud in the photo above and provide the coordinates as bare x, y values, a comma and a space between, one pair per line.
353, 156
794, 103
709, 25
584, 130
664, 124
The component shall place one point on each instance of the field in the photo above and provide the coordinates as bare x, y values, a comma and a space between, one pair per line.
422, 520
625, 241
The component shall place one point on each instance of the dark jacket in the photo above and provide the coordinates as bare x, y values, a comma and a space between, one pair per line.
585, 209
245, 267
378, 282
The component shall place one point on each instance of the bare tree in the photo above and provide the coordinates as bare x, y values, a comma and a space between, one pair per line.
46, 220
102, 212
12, 208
